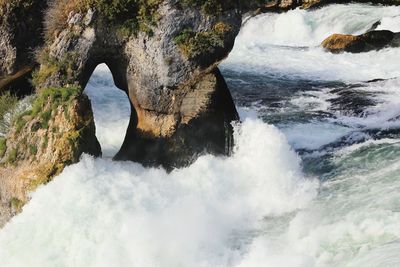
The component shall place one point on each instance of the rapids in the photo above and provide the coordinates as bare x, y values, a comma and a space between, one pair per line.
314, 179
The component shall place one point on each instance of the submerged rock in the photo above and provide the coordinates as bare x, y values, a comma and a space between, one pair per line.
282, 5
163, 53
372, 40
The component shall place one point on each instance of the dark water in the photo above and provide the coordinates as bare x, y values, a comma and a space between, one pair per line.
321, 187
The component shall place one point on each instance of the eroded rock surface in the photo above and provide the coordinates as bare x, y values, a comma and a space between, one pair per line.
163, 53
372, 40
56, 127
21, 33
181, 105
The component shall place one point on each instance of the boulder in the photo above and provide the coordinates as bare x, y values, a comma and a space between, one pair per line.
372, 40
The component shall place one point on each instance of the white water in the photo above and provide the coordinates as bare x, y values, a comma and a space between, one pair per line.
111, 110
384, 115
271, 39
253, 209
104, 213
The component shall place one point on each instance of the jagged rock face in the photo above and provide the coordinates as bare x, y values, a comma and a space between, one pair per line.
204, 125
52, 133
373, 40
169, 69
170, 76
181, 105
20, 35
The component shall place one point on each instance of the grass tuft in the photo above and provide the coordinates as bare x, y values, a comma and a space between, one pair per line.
129, 15
193, 44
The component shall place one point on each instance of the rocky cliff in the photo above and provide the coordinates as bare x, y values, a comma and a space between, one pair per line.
163, 53
21, 32
165, 60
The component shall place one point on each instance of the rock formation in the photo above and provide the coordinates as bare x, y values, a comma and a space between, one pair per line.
54, 129
181, 105
163, 53
21, 31
372, 40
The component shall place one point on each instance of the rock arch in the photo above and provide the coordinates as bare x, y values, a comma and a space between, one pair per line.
164, 54
181, 105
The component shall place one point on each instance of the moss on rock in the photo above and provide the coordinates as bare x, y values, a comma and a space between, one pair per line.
3, 146
39, 144
193, 44
130, 16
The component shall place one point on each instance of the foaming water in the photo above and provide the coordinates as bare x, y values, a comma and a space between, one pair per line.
288, 44
337, 204
104, 213
111, 110
346, 129
382, 115
301, 28
355, 217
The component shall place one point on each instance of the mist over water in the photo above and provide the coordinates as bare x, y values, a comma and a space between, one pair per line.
111, 110
104, 213
314, 179
287, 45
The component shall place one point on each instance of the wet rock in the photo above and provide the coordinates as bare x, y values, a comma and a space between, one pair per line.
181, 106
53, 132
164, 57
204, 127
375, 26
373, 40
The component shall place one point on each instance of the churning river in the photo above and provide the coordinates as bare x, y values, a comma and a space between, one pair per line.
314, 179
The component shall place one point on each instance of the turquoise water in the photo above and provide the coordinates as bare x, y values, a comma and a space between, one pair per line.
314, 179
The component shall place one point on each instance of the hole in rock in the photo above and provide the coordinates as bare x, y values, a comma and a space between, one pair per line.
111, 110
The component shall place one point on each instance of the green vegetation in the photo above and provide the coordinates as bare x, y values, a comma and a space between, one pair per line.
193, 44
211, 6
20, 123
49, 99
45, 142
8, 102
44, 119
44, 176
16, 204
33, 149
65, 67
45, 105
46, 101
22, 5
12, 156
130, 16
17, 3
57, 96
3, 146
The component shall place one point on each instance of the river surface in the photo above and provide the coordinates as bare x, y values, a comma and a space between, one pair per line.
314, 179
